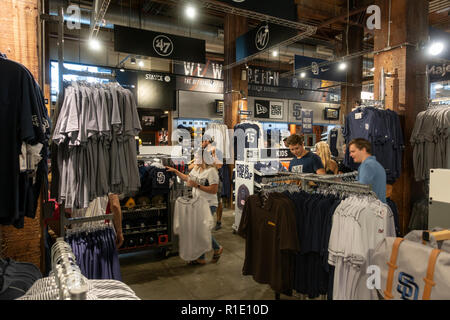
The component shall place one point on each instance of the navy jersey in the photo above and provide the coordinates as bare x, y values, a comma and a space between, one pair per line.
21, 104
333, 142
160, 180
246, 135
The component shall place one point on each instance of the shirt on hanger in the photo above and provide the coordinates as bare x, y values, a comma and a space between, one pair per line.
271, 242
193, 222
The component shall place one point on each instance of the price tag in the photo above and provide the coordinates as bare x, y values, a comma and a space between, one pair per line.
358, 115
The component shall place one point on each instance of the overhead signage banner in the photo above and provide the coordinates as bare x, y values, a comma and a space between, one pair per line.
329, 72
212, 69
439, 72
292, 94
267, 83
307, 121
286, 9
156, 90
199, 84
262, 37
157, 44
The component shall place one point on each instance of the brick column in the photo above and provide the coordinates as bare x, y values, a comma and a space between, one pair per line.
19, 41
406, 87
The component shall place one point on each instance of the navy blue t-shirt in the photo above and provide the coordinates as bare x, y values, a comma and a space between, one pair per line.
246, 138
309, 163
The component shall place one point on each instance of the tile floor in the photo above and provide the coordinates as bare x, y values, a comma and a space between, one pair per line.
156, 278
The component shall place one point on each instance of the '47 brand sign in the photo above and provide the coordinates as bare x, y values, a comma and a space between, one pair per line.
160, 45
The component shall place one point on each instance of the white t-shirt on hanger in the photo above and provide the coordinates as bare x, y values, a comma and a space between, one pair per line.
193, 222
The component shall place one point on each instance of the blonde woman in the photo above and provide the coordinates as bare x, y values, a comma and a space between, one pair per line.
323, 151
204, 179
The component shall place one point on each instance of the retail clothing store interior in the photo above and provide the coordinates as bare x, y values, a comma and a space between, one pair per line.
225, 150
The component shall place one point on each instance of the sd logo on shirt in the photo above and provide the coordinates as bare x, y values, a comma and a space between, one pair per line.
160, 178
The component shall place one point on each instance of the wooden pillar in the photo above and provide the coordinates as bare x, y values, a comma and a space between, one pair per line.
352, 92
406, 85
234, 27
19, 41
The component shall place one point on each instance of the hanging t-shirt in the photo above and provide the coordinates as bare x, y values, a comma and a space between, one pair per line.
309, 163
246, 135
271, 240
193, 222
21, 104
205, 177
160, 180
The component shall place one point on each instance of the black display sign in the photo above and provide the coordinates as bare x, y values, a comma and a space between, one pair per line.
330, 71
262, 37
279, 153
156, 91
331, 114
212, 69
199, 84
439, 72
262, 109
157, 44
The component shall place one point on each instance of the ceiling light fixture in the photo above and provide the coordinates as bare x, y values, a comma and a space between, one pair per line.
436, 48
141, 63
342, 66
275, 53
303, 74
133, 60
190, 12
94, 44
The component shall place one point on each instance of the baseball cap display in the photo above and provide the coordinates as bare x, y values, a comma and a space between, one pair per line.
243, 194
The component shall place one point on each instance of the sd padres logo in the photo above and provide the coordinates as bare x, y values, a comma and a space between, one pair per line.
407, 287
160, 177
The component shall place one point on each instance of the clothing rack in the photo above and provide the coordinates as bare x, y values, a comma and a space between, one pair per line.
71, 283
310, 177
64, 221
330, 180
101, 75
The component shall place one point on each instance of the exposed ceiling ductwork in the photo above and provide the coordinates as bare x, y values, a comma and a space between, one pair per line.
117, 15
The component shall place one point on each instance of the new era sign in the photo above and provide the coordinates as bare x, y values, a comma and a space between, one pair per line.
262, 108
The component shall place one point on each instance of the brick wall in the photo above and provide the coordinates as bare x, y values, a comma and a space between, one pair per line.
19, 41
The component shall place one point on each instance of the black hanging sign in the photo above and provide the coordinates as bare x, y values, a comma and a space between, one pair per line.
264, 36
157, 44
262, 109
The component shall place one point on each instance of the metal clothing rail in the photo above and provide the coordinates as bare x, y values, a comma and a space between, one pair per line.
309, 177
70, 281
64, 221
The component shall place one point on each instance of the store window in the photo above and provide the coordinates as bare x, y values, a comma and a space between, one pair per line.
54, 75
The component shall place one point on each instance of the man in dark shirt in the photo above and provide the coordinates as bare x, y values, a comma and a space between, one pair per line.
304, 160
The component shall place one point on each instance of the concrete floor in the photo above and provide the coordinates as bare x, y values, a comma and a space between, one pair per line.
155, 278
